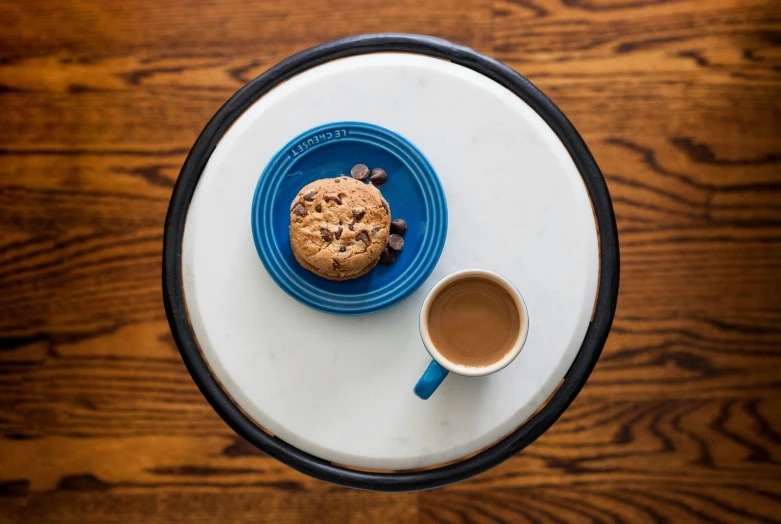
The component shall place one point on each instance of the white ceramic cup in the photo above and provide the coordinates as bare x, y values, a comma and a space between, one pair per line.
440, 366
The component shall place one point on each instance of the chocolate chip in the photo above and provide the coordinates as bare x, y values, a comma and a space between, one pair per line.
387, 256
360, 172
395, 242
295, 204
375, 229
378, 177
310, 196
363, 237
327, 235
338, 233
331, 198
342, 249
358, 214
318, 208
337, 180
398, 226
350, 225
335, 263
300, 211
385, 206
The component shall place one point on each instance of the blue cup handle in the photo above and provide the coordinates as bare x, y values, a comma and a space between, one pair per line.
430, 381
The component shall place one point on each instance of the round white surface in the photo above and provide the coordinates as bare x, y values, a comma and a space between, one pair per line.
340, 388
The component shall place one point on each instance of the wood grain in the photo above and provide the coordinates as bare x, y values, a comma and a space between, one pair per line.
677, 99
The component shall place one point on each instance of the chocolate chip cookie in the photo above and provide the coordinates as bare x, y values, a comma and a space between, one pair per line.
339, 227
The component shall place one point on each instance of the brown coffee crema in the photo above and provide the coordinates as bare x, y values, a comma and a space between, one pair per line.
474, 322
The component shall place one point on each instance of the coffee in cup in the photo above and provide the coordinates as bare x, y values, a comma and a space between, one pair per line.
473, 322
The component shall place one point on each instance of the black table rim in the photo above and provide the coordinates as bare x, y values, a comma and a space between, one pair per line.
521, 437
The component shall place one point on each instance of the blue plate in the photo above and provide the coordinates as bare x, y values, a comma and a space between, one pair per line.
413, 192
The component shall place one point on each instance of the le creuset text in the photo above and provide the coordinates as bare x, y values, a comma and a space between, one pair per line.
317, 139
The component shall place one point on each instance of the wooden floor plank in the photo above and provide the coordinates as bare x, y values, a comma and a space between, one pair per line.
204, 27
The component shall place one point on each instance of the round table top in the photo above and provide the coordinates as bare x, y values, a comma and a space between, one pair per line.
340, 388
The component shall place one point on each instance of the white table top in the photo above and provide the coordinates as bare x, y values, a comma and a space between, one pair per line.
340, 388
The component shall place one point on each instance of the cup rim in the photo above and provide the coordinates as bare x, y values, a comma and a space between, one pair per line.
474, 371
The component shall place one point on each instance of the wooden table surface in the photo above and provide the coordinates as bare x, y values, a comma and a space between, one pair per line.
679, 102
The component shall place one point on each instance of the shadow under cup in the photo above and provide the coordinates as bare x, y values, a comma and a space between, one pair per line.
483, 314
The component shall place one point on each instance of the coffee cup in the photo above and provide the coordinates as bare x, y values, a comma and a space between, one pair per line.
473, 322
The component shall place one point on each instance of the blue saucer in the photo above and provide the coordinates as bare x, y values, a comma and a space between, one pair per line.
413, 192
